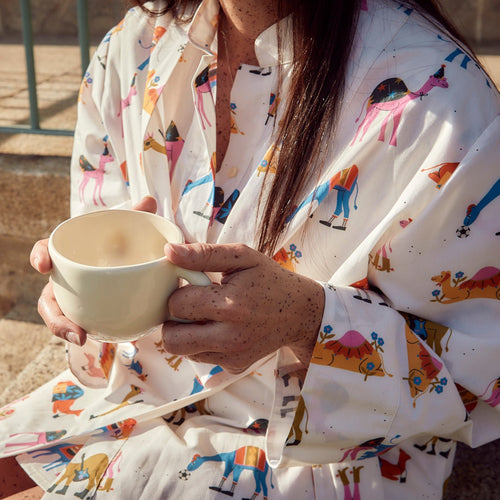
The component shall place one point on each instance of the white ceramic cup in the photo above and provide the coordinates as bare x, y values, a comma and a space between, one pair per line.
110, 274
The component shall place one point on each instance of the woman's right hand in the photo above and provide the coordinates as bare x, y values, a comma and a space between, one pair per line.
48, 308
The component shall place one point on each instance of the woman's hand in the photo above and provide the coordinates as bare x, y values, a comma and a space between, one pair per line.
257, 308
48, 308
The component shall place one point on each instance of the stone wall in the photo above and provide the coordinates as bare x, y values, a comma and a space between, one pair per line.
479, 19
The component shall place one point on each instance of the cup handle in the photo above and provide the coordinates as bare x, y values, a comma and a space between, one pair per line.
196, 278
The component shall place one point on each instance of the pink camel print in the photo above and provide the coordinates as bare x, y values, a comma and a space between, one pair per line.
125, 103
92, 369
392, 95
203, 85
494, 399
173, 145
39, 438
90, 172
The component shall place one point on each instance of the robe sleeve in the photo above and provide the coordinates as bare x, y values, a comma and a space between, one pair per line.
413, 349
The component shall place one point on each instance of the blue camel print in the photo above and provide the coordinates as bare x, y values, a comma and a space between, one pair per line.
344, 182
245, 458
473, 211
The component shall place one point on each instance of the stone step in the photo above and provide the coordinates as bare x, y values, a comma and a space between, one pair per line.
29, 357
35, 194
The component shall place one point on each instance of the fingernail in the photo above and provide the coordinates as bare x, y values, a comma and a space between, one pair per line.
74, 338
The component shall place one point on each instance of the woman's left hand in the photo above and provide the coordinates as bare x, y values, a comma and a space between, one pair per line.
257, 308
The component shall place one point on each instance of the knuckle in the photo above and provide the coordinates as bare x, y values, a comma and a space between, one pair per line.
242, 249
169, 343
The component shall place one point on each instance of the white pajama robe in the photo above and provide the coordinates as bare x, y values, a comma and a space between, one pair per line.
403, 230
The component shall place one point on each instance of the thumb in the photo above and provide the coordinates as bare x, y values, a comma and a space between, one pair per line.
212, 258
147, 204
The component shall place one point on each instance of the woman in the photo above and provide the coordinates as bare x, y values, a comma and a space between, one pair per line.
357, 147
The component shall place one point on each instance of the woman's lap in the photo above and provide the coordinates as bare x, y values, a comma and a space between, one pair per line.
14, 481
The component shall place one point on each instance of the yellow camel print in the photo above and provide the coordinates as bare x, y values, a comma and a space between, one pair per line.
91, 469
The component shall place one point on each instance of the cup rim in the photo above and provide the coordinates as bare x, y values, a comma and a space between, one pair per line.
53, 251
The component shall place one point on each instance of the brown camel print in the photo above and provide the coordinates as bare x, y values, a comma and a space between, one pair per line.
433, 333
90, 469
151, 143
295, 430
423, 368
134, 391
485, 284
392, 95
342, 474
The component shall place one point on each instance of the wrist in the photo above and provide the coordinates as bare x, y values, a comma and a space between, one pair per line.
313, 309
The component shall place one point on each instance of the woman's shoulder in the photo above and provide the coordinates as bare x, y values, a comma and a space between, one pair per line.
401, 46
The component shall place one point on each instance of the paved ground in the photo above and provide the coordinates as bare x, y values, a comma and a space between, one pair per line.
29, 355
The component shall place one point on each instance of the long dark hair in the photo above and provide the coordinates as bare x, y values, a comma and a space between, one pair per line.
323, 33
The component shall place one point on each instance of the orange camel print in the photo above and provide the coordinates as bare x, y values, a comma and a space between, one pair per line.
351, 352
485, 284
153, 91
441, 173
288, 258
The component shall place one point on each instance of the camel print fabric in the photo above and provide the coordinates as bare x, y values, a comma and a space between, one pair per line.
402, 229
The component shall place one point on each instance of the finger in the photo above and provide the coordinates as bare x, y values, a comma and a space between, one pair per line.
229, 363
212, 303
147, 204
55, 320
195, 338
216, 258
40, 258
